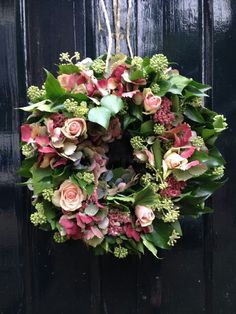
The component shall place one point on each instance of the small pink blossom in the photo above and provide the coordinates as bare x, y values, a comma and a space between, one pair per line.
70, 227
144, 215
151, 103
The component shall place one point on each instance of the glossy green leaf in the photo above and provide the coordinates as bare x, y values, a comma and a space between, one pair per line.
156, 147
179, 81
113, 103
68, 69
149, 245
193, 114
147, 127
53, 87
100, 115
145, 197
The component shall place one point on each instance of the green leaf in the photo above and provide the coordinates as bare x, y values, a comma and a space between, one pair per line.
41, 178
156, 147
219, 123
77, 96
179, 81
68, 69
164, 87
193, 114
26, 165
147, 127
136, 75
128, 120
113, 103
100, 115
145, 197
89, 189
215, 158
53, 87
91, 210
137, 111
199, 86
149, 245
191, 91
161, 233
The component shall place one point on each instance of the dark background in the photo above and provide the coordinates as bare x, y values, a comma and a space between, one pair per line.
38, 276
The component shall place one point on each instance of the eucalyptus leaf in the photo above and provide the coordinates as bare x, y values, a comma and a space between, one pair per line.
113, 103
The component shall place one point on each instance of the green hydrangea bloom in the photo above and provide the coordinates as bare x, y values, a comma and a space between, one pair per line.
48, 194
27, 150
155, 88
70, 105
173, 238
137, 143
98, 66
38, 218
219, 171
146, 179
120, 252
81, 110
159, 62
158, 129
35, 94
59, 238
197, 141
137, 62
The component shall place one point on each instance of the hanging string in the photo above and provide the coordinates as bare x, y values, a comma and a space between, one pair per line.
116, 10
108, 25
128, 28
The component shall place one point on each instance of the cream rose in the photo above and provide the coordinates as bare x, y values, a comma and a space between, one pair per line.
69, 196
151, 102
74, 127
174, 160
145, 215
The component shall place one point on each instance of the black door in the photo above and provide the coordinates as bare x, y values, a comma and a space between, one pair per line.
41, 277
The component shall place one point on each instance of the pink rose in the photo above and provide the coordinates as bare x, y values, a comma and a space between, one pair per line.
175, 161
151, 102
145, 215
68, 81
74, 127
145, 156
69, 196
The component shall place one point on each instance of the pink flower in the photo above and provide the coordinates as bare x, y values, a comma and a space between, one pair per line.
181, 134
131, 232
25, 133
69, 196
151, 102
138, 98
113, 132
145, 215
74, 127
145, 156
68, 81
118, 71
164, 116
70, 227
174, 188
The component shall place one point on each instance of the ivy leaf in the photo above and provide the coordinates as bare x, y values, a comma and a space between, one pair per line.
113, 103
145, 197
179, 81
156, 147
215, 158
136, 75
199, 86
53, 87
26, 165
164, 87
191, 91
193, 114
100, 115
149, 245
91, 210
147, 127
68, 69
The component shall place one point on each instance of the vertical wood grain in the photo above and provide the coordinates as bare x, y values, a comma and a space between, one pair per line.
11, 287
224, 201
183, 268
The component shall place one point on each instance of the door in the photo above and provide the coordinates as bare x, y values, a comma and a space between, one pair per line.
41, 277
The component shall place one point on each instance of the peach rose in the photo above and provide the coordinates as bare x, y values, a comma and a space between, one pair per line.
145, 215
175, 161
74, 127
68, 81
69, 196
151, 102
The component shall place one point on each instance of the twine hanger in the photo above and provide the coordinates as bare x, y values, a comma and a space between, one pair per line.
116, 13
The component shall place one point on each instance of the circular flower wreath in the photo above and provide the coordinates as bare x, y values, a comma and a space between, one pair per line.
174, 165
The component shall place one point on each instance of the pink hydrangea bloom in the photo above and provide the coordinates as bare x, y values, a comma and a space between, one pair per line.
174, 187
164, 115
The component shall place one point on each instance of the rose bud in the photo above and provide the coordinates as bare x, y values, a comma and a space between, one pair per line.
144, 215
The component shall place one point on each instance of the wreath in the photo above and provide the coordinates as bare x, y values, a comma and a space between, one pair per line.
137, 113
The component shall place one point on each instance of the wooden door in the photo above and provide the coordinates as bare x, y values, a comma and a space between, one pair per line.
41, 277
